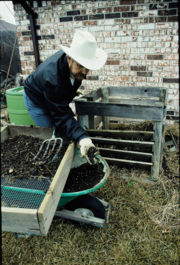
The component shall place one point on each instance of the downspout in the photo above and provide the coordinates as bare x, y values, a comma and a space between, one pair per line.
32, 16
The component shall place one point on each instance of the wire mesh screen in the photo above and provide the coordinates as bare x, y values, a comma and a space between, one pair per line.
21, 199
23, 193
34, 184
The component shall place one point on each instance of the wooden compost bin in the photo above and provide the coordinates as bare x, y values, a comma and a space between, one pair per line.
37, 221
127, 104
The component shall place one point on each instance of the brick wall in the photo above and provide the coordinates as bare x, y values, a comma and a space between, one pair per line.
139, 36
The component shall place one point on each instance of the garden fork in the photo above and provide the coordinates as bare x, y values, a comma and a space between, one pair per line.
45, 157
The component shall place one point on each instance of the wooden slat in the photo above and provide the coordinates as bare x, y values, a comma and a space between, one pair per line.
163, 95
132, 101
125, 120
20, 220
151, 113
116, 125
91, 119
93, 95
127, 162
163, 98
91, 122
105, 98
97, 121
48, 207
135, 91
156, 158
35, 131
121, 133
118, 142
4, 134
116, 152
83, 119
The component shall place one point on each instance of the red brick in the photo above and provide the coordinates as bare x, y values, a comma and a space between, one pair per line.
86, 11
170, 80
123, 21
90, 23
104, 10
75, 6
26, 38
121, 78
127, 2
144, 1
32, 63
157, 19
162, 62
112, 62
18, 33
121, 8
22, 64
155, 57
172, 57
173, 19
29, 72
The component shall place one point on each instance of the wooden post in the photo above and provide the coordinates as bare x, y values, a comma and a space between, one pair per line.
163, 98
105, 98
91, 118
83, 119
155, 169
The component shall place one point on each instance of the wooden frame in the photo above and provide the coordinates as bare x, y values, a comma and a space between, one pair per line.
126, 104
37, 221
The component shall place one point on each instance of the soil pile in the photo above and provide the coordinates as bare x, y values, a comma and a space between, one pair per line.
17, 158
17, 163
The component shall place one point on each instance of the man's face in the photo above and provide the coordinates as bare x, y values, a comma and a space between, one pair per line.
76, 69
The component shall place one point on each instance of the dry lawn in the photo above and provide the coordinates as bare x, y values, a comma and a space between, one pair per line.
143, 225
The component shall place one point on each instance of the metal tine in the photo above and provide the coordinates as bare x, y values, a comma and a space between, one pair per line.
39, 151
57, 152
47, 148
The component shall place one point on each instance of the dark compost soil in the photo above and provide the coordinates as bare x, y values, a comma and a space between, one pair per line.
17, 162
84, 177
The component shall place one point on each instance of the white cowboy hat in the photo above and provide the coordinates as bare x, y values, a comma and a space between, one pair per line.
84, 51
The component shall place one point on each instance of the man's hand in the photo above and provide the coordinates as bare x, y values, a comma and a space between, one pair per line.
88, 149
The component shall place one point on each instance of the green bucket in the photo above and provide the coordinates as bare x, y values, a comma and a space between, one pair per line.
69, 196
16, 107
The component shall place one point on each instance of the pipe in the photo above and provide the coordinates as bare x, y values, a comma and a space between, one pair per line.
10, 63
31, 16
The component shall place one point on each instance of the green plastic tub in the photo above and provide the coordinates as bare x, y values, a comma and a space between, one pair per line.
69, 196
16, 107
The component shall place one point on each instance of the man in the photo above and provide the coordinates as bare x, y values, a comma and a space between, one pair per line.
52, 86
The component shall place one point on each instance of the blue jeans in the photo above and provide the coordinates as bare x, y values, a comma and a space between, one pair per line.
40, 116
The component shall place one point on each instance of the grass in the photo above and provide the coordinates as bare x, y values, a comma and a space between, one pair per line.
143, 226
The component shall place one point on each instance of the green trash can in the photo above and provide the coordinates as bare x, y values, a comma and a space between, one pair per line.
16, 107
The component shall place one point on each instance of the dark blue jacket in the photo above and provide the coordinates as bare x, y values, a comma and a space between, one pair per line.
50, 87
